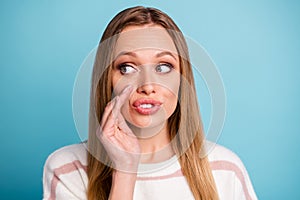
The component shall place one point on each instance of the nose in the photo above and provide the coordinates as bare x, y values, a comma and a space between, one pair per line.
146, 83
146, 89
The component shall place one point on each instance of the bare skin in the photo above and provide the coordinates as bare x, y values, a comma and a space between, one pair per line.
150, 77
122, 147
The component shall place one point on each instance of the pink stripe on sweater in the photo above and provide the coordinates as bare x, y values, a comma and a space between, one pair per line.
215, 165
65, 169
175, 174
229, 166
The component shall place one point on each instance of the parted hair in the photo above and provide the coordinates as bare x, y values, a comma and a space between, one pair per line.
185, 127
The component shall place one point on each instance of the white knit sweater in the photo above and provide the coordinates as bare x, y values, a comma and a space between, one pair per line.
65, 177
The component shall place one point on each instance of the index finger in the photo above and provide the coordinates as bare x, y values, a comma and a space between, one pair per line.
123, 96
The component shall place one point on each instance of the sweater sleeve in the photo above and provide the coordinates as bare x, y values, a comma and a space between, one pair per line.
243, 185
65, 174
231, 176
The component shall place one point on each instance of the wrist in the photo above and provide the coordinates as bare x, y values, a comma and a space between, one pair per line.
123, 184
123, 176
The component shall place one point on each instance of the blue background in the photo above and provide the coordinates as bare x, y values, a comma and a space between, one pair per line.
255, 45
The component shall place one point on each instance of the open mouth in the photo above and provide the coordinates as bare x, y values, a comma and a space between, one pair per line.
146, 106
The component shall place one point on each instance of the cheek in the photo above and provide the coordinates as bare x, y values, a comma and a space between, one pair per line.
171, 96
171, 102
119, 82
172, 84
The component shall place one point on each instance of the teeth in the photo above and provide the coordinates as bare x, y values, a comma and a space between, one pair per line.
146, 105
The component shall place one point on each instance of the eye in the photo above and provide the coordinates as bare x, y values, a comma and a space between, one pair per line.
126, 69
163, 68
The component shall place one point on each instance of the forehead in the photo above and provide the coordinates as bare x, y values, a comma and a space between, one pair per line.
134, 38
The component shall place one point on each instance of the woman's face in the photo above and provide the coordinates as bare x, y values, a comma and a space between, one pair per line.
146, 59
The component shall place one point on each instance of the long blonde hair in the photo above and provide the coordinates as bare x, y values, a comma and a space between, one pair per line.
185, 127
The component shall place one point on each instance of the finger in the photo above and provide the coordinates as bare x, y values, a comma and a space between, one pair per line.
123, 125
111, 143
127, 143
124, 96
106, 130
117, 140
107, 111
120, 100
112, 110
110, 125
119, 119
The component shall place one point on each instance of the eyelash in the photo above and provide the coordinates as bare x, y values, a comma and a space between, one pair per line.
123, 65
166, 64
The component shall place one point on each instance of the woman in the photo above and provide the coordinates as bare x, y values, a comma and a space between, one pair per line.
145, 131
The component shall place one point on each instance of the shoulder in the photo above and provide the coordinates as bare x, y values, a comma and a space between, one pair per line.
64, 174
221, 158
72, 153
217, 153
230, 174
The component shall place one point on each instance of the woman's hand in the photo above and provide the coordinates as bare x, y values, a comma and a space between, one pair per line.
117, 138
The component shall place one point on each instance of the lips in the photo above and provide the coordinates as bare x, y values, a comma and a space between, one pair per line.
146, 106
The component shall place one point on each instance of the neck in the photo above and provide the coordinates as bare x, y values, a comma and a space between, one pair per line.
154, 142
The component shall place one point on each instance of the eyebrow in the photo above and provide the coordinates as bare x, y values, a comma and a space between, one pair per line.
126, 53
130, 53
166, 53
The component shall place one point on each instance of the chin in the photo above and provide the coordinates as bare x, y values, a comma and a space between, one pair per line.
147, 128
145, 121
